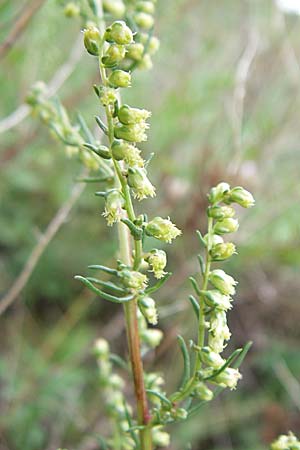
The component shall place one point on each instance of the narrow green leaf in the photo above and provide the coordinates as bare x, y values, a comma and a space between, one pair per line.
202, 241
231, 358
186, 361
130, 426
195, 305
118, 361
159, 395
101, 125
104, 269
201, 264
88, 135
107, 285
135, 231
242, 355
104, 295
195, 285
93, 179
159, 284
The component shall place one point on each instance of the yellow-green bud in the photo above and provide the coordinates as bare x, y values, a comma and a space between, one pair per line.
132, 133
162, 229
119, 33
71, 10
152, 42
144, 20
158, 261
241, 196
225, 283
116, 382
218, 331
107, 95
152, 337
114, 55
119, 78
148, 309
227, 225
160, 438
211, 358
286, 442
145, 63
220, 212
203, 392
139, 182
101, 348
222, 251
114, 204
115, 7
135, 51
228, 378
217, 300
217, 193
92, 40
122, 150
133, 280
179, 413
145, 6
129, 116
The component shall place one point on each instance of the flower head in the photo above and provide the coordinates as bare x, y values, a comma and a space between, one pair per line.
158, 261
140, 183
223, 282
114, 204
162, 229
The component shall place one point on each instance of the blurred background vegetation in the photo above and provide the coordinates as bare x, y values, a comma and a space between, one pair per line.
225, 97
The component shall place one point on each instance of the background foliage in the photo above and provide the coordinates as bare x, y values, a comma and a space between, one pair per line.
224, 94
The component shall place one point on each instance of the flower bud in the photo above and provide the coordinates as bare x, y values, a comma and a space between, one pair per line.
203, 392
114, 204
223, 282
218, 331
152, 337
240, 196
162, 229
148, 309
101, 348
107, 96
132, 133
217, 193
220, 212
119, 33
114, 55
140, 184
158, 261
228, 378
145, 63
215, 299
135, 51
129, 116
119, 78
286, 442
144, 20
133, 280
179, 413
71, 10
115, 7
122, 150
160, 438
145, 6
116, 382
222, 251
211, 358
224, 226
153, 45
92, 40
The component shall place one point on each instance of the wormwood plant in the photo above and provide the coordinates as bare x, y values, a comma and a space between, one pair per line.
120, 47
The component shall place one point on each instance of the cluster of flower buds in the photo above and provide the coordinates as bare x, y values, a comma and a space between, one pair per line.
112, 386
286, 442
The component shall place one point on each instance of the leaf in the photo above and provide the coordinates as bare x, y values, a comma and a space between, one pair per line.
88, 135
195, 305
202, 241
101, 125
201, 264
231, 358
104, 269
159, 395
135, 231
195, 285
104, 295
107, 285
116, 359
159, 284
186, 361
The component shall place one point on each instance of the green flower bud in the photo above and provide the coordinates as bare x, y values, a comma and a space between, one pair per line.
179, 414
129, 116
224, 226
145, 6
158, 261
140, 184
145, 63
220, 212
114, 204
217, 193
119, 78
148, 309
160, 438
92, 40
162, 229
107, 95
241, 196
135, 51
71, 10
133, 280
218, 331
203, 392
119, 33
101, 348
116, 382
222, 251
122, 150
225, 283
286, 442
132, 133
152, 337
115, 7
114, 55
217, 300
211, 358
228, 378
144, 20
36, 93
152, 42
